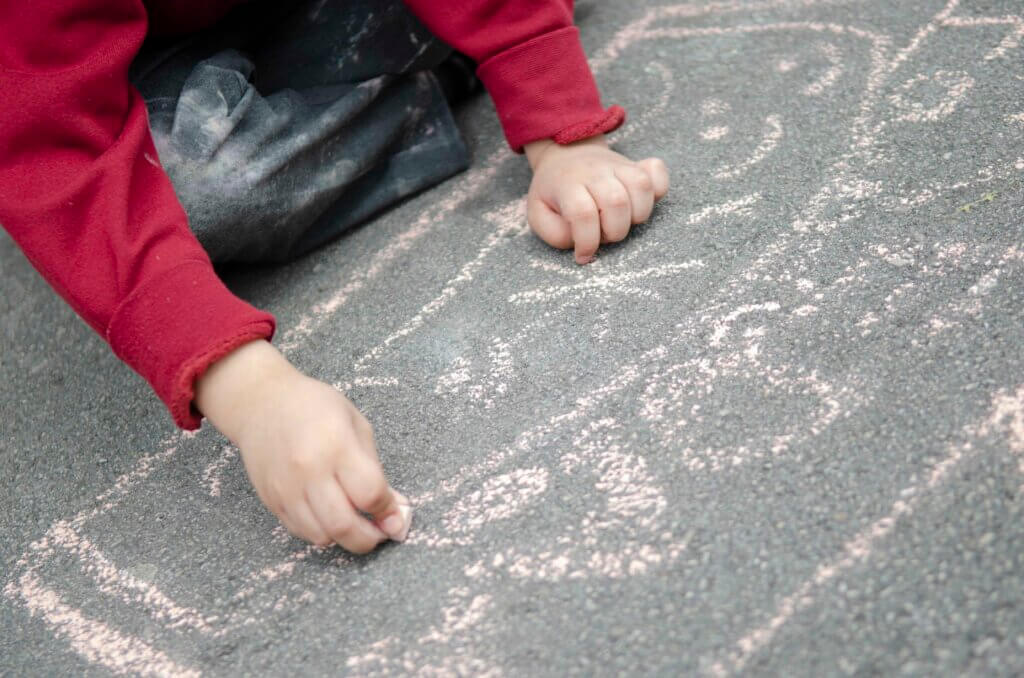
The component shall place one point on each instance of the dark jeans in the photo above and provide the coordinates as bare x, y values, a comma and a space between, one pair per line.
282, 128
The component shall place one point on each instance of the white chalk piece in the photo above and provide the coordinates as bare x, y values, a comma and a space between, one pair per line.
406, 512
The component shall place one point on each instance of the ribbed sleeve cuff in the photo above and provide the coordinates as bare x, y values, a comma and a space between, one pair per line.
544, 89
172, 328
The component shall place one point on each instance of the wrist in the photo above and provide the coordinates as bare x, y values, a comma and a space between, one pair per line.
227, 392
535, 150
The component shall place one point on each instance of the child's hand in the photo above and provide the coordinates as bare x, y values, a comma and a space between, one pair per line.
585, 194
309, 452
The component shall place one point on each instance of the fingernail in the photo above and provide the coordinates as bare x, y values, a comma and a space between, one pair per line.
582, 261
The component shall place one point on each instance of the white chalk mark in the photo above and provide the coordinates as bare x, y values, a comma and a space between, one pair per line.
925, 31
740, 207
724, 324
712, 107
972, 305
487, 388
1008, 414
769, 141
431, 217
525, 441
509, 220
910, 109
656, 108
1011, 41
640, 29
367, 382
458, 618
714, 133
606, 283
856, 550
633, 505
831, 76
133, 591
94, 640
211, 474
37, 597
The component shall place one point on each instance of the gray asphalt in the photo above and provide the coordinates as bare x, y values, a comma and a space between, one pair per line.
778, 431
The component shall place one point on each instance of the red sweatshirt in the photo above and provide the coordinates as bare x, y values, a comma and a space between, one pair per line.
83, 194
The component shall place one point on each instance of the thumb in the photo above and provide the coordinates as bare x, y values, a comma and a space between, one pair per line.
396, 525
363, 481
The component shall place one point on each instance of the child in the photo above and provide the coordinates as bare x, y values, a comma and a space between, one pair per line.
345, 116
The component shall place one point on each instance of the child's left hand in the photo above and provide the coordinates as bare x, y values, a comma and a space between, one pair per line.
585, 194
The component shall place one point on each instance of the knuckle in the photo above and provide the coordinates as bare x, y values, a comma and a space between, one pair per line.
579, 211
642, 180
304, 460
378, 496
366, 486
581, 217
617, 198
341, 529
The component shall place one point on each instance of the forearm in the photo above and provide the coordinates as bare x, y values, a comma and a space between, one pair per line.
83, 194
532, 63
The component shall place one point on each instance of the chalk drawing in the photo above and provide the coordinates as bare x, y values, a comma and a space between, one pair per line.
664, 392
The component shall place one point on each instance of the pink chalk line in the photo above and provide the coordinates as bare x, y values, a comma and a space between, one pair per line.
629, 373
1010, 42
211, 474
429, 219
830, 76
860, 547
94, 640
83, 632
509, 220
772, 136
874, 86
85, 635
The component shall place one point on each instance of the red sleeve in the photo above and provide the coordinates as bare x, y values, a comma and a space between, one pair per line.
531, 62
84, 196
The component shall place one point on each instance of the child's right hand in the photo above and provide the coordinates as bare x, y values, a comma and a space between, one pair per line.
309, 452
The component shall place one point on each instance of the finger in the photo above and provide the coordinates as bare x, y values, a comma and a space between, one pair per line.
397, 528
640, 187
548, 224
362, 479
364, 431
578, 208
405, 513
289, 524
612, 201
306, 525
339, 521
658, 172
